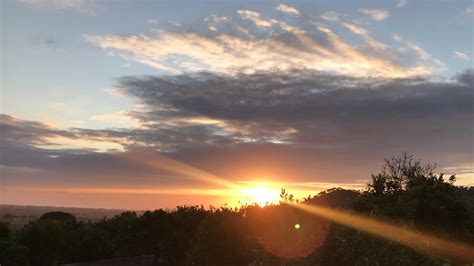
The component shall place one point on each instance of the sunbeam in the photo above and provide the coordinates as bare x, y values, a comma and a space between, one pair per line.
419, 241
160, 162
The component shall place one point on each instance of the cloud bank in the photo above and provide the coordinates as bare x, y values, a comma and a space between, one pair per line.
265, 119
298, 98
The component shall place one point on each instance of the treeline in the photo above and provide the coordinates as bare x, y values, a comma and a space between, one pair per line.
405, 192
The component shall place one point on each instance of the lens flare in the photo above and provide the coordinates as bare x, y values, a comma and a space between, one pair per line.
273, 235
419, 241
278, 230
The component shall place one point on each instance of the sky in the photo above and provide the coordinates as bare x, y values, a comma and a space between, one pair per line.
153, 104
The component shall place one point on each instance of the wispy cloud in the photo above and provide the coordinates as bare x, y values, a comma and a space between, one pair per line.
268, 44
120, 118
287, 9
461, 55
86, 6
331, 16
375, 14
255, 17
466, 11
364, 33
436, 64
214, 22
401, 3
43, 136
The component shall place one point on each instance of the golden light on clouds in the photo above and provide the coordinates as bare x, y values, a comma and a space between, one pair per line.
60, 142
230, 53
220, 54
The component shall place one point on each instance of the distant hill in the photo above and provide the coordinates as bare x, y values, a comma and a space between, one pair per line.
19, 215
57, 216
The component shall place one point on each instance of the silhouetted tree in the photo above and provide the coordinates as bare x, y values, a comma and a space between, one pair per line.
406, 192
58, 216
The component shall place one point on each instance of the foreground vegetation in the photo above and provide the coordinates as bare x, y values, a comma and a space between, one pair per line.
405, 192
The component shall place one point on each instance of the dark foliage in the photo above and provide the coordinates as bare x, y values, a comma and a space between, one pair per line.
406, 192
57, 216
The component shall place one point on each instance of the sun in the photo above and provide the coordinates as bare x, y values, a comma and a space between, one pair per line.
261, 195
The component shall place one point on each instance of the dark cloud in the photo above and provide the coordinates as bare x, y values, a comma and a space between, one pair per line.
25, 158
15, 131
298, 125
316, 109
466, 78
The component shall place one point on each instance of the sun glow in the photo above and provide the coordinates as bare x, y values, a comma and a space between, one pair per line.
261, 195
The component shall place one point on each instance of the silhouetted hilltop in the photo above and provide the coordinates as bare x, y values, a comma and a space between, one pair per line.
57, 216
405, 193
335, 198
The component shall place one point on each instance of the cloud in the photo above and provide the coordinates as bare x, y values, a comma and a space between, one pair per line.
35, 134
461, 56
232, 48
467, 11
86, 6
375, 14
214, 22
248, 97
401, 3
277, 106
466, 77
16, 131
331, 16
252, 126
119, 118
324, 114
421, 53
364, 33
256, 19
287, 9
29, 157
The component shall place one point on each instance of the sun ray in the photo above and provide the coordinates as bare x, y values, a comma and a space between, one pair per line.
419, 241
262, 195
